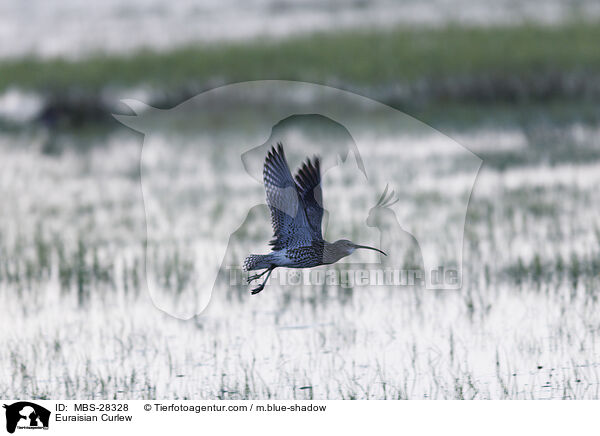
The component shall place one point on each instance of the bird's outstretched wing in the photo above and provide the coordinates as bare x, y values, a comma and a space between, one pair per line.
290, 224
308, 181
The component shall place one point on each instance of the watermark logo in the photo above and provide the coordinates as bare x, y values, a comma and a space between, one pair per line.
204, 196
25, 415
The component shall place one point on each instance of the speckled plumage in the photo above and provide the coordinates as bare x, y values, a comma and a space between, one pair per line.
296, 210
296, 216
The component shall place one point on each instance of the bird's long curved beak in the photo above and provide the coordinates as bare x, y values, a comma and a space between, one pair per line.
369, 248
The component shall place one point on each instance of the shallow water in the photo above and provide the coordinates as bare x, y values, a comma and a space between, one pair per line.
524, 325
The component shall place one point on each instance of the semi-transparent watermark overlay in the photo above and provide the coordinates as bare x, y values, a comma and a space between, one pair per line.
388, 181
351, 277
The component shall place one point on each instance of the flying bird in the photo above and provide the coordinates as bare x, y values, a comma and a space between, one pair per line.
296, 215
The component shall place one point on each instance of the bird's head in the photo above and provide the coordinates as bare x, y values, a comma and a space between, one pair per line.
343, 248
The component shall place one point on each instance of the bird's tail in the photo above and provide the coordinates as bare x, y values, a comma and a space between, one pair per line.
258, 261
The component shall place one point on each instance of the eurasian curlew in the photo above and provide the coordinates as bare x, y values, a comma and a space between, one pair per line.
296, 215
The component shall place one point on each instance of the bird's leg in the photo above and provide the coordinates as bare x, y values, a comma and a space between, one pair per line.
257, 276
262, 285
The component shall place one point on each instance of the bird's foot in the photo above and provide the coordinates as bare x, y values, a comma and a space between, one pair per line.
258, 289
253, 277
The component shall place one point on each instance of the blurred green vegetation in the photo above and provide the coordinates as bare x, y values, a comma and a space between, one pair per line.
360, 58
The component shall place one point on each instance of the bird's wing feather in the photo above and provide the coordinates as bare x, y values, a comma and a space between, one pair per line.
308, 180
288, 218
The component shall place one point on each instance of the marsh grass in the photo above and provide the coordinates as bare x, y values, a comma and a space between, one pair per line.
403, 66
78, 321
